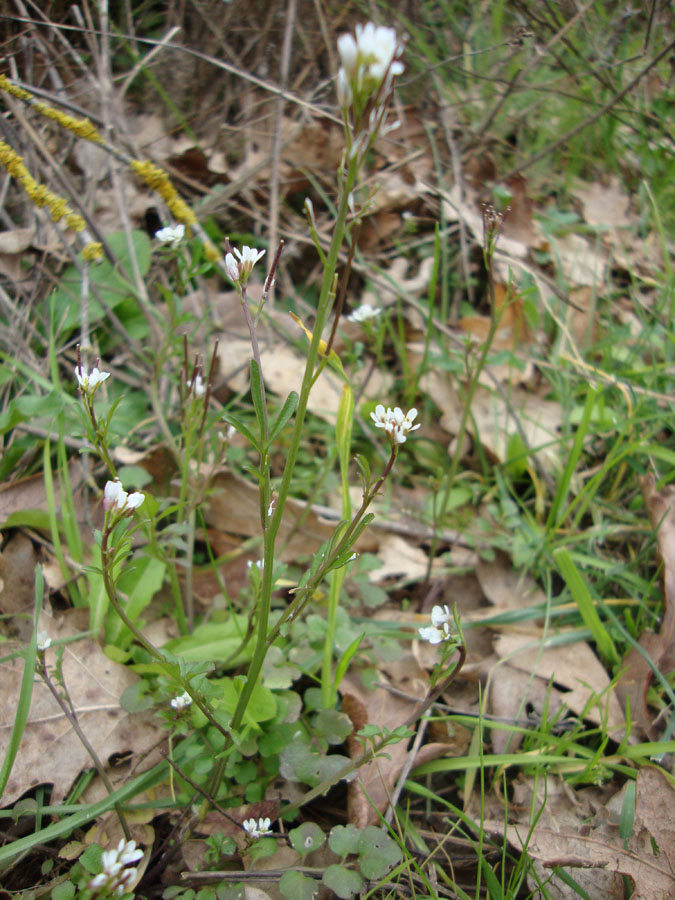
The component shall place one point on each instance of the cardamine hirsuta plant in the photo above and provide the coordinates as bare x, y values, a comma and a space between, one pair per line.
371, 60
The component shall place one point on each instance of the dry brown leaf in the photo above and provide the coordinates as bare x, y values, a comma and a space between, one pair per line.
604, 204
29, 493
234, 508
512, 694
637, 674
50, 751
505, 588
580, 261
494, 422
401, 560
17, 576
564, 837
572, 666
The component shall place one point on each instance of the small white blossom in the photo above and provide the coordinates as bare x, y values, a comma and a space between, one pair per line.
181, 701
366, 311
43, 641
89, 381
395, 423
198, 386
367, 60
259, 828
440, 629
171, 235
115, 878
115, 498
239, 269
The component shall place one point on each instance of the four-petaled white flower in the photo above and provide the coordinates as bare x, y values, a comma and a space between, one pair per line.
43, 641
181, 701
89, 381
115, 498
197, 386
367, 60
257, 829
366, 311
439, 630
239, 269
115, 877
171, 234
395, 423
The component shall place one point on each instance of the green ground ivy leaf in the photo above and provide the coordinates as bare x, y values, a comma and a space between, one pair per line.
378, 853
306, 838
296, 886
342, 881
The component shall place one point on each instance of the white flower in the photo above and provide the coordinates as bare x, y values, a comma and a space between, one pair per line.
439, 630
171, 235
239, 269
115, 878
361, 313
396, 425
440, 615
181, 701
197, 386
367, 61
115, 498
43, 641
89, 381
257, 829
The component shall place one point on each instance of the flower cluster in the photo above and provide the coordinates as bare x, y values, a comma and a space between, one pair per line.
182, 701
439, 630
171, 235
116, 877
257, 829
395, 424
90, 381
239, 269
368, 60
115, 498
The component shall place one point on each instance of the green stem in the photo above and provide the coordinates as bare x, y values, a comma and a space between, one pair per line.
323, 309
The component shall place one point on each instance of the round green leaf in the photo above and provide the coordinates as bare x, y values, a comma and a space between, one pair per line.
344, 839
306, 837
378, 853
342, 881
296, 886
332, 725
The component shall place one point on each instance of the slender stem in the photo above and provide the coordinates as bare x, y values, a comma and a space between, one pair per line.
107, 561
323, 309
71, 715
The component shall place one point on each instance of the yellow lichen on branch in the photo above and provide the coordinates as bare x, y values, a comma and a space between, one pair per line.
39, 194
158, 180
